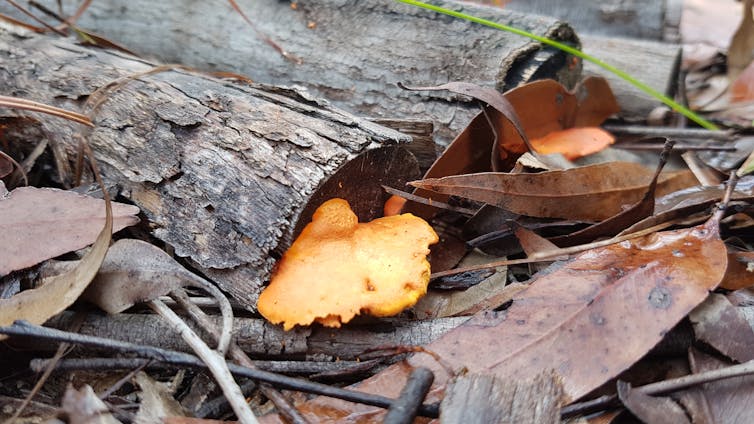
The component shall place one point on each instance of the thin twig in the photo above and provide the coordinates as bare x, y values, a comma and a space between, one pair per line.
214, 361
674, 132
36, 19
554, 254
282, 403
661, 388
26, 329
428, 202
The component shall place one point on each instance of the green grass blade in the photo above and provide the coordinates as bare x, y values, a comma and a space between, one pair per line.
568, 49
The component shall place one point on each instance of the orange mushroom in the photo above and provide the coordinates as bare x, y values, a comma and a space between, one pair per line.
338, 268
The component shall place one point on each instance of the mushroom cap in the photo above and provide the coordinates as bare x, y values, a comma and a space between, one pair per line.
338, 268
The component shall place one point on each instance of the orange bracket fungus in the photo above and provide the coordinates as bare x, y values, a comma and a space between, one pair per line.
338, 268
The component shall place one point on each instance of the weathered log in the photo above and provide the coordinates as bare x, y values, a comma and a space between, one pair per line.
653, 63
657, 20
479, 399
260, 339
225, 172
353, 52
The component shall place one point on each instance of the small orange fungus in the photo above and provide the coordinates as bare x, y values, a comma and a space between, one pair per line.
338, 268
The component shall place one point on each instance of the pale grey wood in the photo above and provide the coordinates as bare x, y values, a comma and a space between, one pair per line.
653, 63
223, 171
259, 338
486, 399
645, 19
353, 52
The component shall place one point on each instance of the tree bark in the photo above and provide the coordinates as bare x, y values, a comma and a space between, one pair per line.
656, 20
353, 52
226, 172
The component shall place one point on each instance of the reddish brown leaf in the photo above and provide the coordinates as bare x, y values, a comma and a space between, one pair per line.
742, 43
629, 216
41, 223
470, 152
545, 106
588, 320
742, 88
740, 272
541, 106
593, 192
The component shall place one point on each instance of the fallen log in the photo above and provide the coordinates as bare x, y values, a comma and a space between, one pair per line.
351, 52
226, 172
657, 20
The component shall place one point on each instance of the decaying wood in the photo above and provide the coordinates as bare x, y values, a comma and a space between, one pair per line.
259, 338
353, 52
477, 398
226, 172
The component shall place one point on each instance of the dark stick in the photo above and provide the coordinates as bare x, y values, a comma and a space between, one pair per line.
670, 132
679, 147
315, 369
403, 410
26, 329
220, 405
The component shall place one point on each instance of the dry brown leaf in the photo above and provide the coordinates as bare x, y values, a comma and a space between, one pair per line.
157, 402
651, 409
58, 292
133, 272
742, 88
719, 324
541, 106
545, 106
42, 223
84, 407
742, 44
626, 218
593, 192
589, 320
727, 401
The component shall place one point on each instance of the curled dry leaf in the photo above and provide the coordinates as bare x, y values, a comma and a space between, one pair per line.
83, 406
58, 292
42, 223
588, 320
157, 401
133, 272
546, 107
492, 141
338, 268
593, 192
